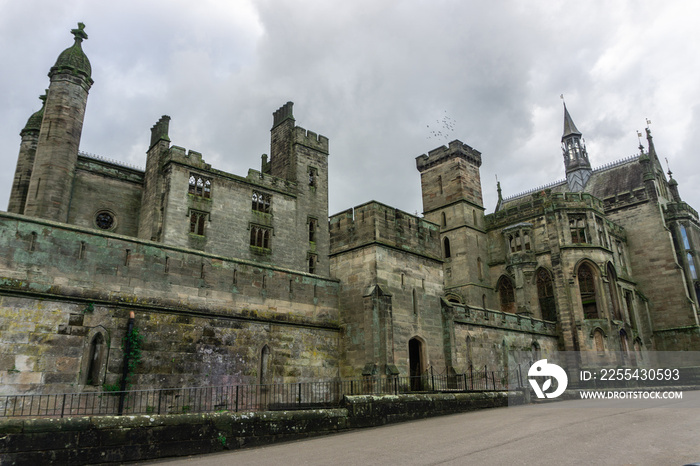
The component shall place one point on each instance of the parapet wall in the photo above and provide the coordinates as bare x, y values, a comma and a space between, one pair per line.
536, 204
65, 260
378, 223
191, 157
310, 139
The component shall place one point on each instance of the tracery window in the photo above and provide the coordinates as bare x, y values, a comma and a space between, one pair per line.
586, 284
602, 237
688, 253
197, 221
262, 202
621, 256
104, 220
260, 237
545, 295
200, 186
507, 295
577, 227
612, 290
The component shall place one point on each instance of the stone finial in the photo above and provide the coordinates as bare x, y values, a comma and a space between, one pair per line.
73, 59
79, 34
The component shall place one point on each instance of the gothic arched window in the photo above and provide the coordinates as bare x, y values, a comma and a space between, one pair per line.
506, 294
545, 295
446, 244
586, 284
612, 289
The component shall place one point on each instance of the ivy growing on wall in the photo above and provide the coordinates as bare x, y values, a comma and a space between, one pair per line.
133, 341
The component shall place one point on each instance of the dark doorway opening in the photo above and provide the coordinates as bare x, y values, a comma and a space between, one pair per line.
415, 358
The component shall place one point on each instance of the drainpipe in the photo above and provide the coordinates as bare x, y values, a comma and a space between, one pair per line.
127, 351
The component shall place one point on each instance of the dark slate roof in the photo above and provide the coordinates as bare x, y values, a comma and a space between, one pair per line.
618, 177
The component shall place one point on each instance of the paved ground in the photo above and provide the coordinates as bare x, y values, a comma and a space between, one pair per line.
567, 432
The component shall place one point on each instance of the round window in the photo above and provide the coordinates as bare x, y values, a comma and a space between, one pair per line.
104, 220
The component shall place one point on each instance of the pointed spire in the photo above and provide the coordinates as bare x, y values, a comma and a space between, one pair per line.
500, 196
578, 168
652, 151
673, 185
569, 126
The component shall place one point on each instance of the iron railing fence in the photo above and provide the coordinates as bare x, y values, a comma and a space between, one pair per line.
249, 397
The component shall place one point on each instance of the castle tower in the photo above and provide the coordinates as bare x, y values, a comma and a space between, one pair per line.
25, 160
578, 168
452, 199
59, 138
281, 154
301, 157
152, 198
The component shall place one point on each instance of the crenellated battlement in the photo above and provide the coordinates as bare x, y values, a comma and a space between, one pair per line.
310, 139
374, 222
191, 157
456, 148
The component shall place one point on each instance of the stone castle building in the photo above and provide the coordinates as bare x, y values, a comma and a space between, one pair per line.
246, 278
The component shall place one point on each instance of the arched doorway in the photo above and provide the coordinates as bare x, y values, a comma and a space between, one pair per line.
415, 363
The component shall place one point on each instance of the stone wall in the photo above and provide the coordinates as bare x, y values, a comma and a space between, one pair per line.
391, 288
483, 338
63, 283
671, 308
102, 186
108, 439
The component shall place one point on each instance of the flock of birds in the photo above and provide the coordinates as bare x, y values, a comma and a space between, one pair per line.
444, 128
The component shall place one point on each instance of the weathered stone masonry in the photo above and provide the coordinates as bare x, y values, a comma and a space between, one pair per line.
246, 279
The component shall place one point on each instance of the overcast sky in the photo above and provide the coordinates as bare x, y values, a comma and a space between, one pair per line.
378, 78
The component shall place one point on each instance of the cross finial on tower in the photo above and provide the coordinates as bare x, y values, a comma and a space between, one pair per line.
79, 34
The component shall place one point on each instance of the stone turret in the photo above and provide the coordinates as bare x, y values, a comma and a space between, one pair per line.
59, 138
25, 160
